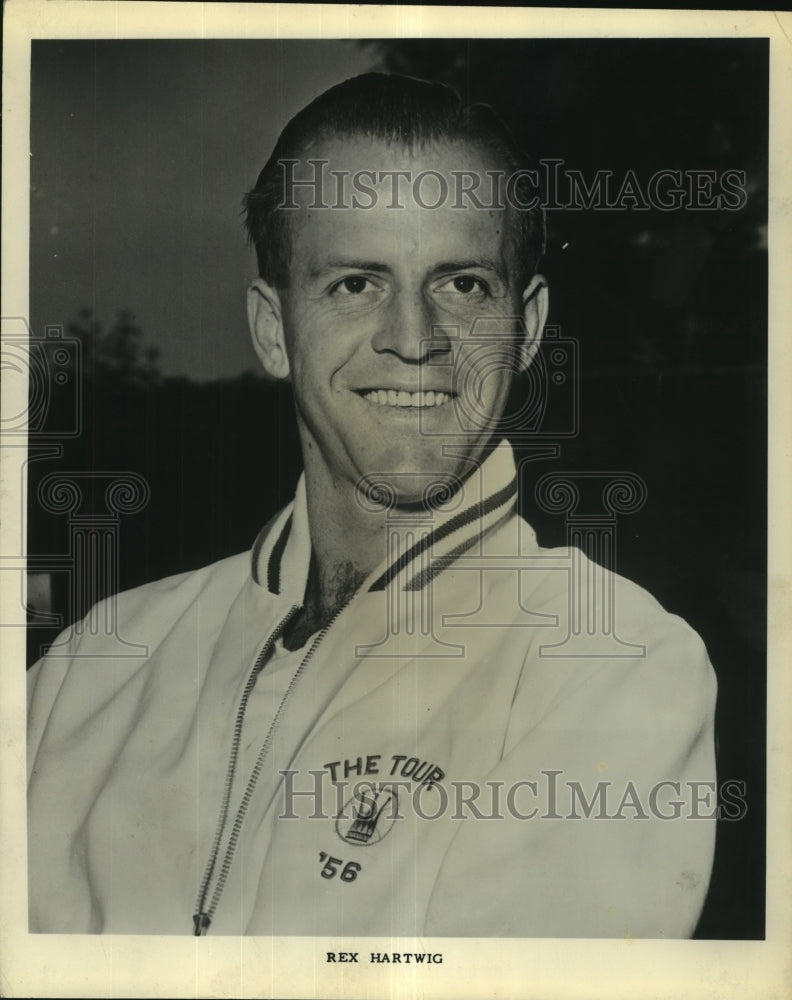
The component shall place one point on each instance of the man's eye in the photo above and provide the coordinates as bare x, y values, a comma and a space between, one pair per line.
351, 286
465, 284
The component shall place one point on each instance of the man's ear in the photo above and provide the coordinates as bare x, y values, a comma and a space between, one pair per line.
535, 305
266, 328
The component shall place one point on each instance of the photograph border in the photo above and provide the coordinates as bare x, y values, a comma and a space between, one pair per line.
148, 966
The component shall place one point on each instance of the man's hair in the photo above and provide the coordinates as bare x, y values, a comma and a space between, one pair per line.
399, 110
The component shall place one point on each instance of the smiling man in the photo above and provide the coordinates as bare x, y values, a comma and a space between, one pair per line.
375, 723
370, 327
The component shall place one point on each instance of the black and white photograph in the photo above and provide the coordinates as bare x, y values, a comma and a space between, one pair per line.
386, 480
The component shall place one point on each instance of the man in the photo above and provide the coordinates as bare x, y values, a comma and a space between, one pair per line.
375, 723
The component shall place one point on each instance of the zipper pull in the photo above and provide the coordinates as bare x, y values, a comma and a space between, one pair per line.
201, 921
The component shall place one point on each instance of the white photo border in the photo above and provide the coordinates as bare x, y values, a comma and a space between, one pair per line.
147, 966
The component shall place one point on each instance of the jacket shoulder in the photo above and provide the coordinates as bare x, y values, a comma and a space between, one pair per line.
183, 588
142, 617
607, 641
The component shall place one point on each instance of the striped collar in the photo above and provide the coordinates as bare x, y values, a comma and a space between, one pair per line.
419, 548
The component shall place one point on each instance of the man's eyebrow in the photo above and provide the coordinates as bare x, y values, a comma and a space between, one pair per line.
346, 264
445, 267
482, 263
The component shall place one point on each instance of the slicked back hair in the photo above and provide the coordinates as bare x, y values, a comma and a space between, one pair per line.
397, 110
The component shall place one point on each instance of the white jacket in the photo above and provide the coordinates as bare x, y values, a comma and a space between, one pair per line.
459, 665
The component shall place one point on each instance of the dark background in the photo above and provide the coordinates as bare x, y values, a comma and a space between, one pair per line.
668, 310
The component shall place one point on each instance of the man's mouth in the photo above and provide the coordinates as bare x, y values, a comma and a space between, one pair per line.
401, 398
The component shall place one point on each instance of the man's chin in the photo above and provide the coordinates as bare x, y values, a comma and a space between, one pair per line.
408, 489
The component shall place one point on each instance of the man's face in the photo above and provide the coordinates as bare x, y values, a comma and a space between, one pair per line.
386, 328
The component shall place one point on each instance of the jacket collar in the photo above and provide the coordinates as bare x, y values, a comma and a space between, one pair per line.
418, 549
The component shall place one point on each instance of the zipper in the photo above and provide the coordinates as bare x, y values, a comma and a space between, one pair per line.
204, 914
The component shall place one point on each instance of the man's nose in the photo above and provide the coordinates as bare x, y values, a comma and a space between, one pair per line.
410, 330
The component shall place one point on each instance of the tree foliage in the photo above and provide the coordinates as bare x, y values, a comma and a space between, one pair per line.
118, 355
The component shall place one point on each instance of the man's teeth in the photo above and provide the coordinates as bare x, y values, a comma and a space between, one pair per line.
392, 397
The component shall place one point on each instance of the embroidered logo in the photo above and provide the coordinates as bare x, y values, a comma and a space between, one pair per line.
368, 816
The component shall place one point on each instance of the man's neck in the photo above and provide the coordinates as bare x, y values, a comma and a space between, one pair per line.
325, 595
349, 540
347, 544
